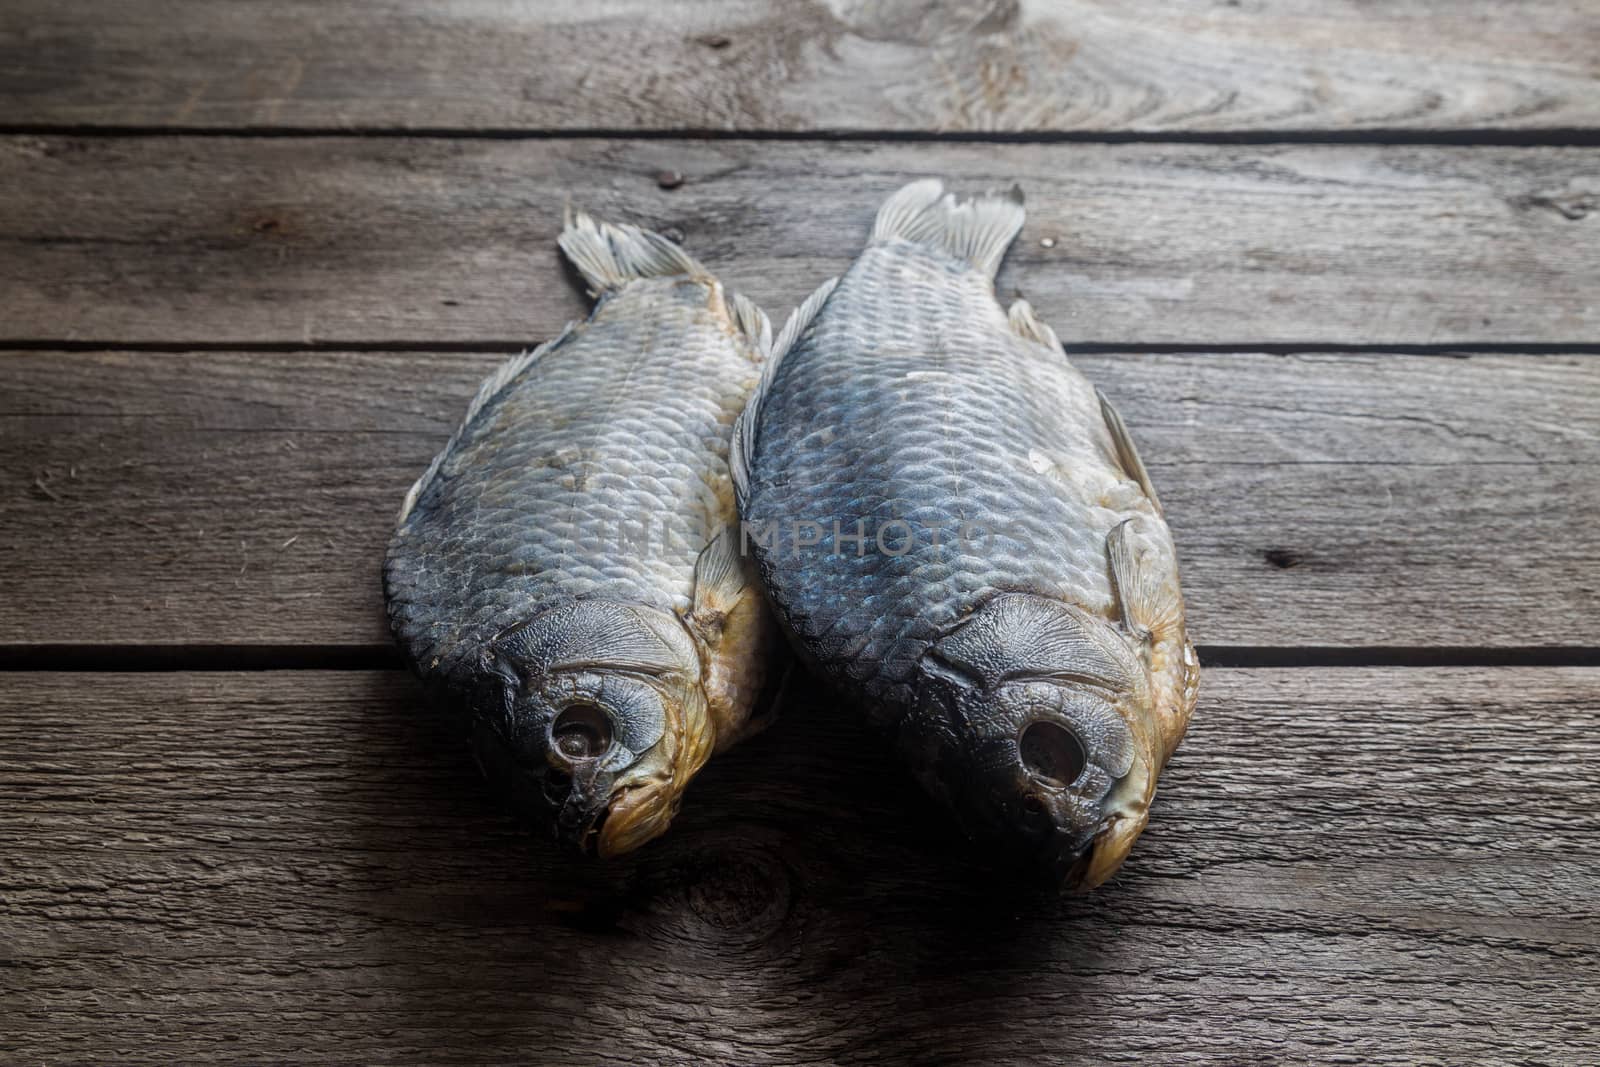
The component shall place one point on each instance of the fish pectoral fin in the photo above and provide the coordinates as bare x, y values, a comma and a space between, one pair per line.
1024, 323
739, 644
720, 581
1127, 456
742, 450
1146, 592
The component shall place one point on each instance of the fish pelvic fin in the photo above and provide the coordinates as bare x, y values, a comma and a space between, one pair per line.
977, 230
743, 447
610, 255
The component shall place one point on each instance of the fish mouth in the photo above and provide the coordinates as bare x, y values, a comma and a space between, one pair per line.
565, 788
1083, 852
569, 801
1050, 844
589, 844
1031, 762
596, 723
638, 813
1070, 870
1083, 849
578, 809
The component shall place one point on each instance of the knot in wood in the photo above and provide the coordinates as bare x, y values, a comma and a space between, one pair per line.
744, 892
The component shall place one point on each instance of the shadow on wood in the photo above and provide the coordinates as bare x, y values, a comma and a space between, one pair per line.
791, 881
304, 865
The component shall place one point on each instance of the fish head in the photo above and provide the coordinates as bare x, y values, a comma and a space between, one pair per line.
592, 717
1035, 734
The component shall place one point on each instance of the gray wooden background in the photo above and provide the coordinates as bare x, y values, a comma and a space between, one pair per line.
1337, 262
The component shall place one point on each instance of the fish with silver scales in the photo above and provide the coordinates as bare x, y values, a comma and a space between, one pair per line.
566, 577
957, 532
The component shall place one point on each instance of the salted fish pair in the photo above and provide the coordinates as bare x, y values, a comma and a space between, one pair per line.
949, 523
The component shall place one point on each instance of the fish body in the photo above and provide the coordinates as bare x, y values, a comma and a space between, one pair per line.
957, 533
565, 575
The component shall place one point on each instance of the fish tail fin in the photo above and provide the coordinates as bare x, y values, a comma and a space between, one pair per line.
610, 255
977, 229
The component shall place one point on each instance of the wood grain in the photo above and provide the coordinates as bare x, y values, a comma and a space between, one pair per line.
775, 65
1388, 866
288, 241
1317, 500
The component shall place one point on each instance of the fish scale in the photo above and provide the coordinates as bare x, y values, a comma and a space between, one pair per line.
593, 454
1013, 618
565, 574
845, 436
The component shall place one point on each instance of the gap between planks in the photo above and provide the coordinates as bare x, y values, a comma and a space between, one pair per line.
195, 658
1076, 348
1484, 137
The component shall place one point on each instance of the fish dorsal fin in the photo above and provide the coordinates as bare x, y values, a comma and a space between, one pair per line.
977, 230
1024, 323
1147, 590
492, 386
1127, 455
742, 449
610, 255
800, 318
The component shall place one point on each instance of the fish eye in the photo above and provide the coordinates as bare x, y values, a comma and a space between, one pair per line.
1052, 754
581, 732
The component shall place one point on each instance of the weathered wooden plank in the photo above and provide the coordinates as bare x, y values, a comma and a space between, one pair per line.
344, 240
1034, 65
1318, 500
1390, 866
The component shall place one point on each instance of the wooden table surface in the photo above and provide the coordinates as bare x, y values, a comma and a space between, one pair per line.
1337, 262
